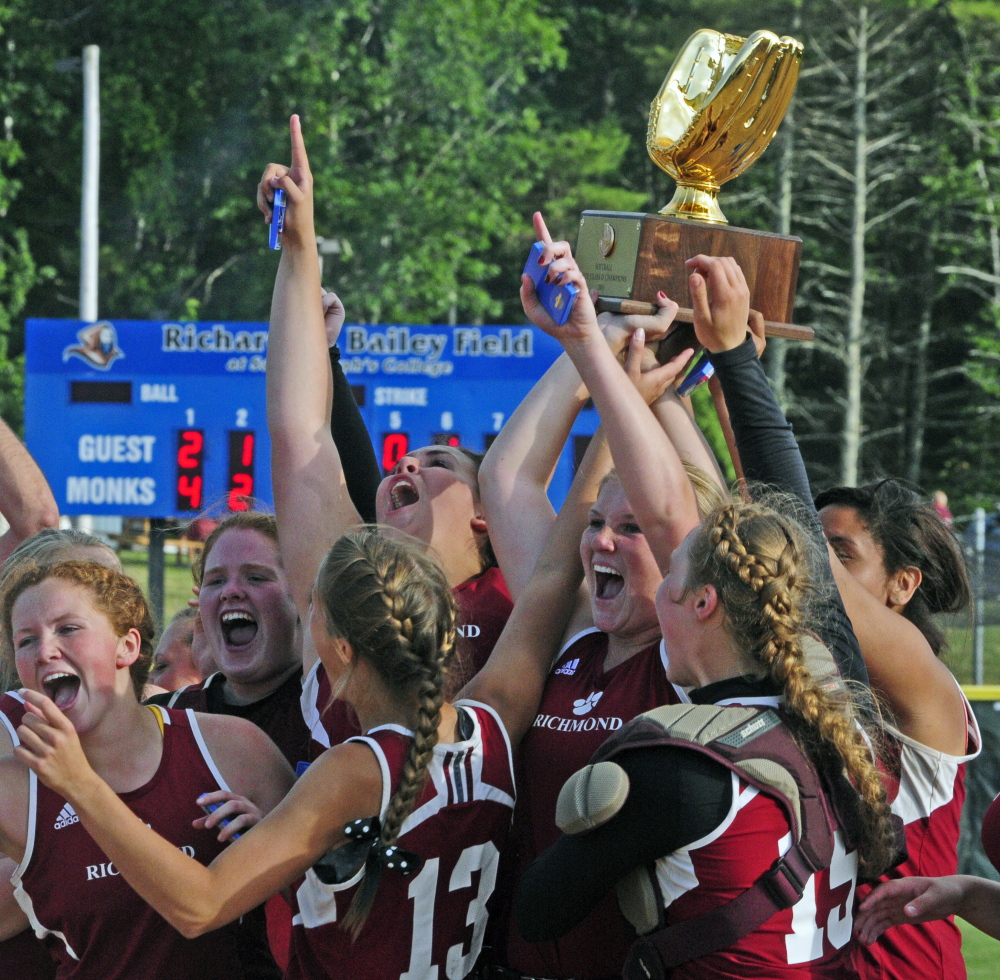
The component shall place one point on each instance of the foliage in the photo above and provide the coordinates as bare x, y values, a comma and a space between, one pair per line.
436, 127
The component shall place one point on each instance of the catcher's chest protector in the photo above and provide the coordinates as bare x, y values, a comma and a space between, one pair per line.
758, 746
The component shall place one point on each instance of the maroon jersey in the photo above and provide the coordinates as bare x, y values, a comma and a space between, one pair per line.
809, 940
23, 957
484, 606
96, 925
430, 924
278, 713
927, 790
581, 705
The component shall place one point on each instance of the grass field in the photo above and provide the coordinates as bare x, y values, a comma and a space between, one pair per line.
177, 584
982, 953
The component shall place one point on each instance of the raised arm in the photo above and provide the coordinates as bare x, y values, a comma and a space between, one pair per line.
311, 501
514, 476
649, 468
25, 497
347, 427
513, 678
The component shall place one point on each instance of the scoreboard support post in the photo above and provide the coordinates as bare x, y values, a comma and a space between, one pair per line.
157, 533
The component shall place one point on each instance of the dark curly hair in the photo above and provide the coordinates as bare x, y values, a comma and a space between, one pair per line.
909, 533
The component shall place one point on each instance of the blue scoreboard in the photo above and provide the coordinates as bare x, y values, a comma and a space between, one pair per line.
163, 419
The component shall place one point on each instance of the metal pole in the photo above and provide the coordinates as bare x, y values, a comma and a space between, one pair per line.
980, 627
157, 532
91, 181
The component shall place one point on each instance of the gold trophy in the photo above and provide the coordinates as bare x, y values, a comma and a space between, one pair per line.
717, 110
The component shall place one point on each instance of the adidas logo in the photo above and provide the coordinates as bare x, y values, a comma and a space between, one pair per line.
67, 817
569, 668
587, 704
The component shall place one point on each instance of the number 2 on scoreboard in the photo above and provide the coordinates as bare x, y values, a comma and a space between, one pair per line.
190, 461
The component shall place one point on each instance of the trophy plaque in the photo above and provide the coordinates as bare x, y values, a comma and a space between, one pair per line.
717, 110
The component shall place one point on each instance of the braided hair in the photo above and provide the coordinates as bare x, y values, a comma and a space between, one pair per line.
392, 604
757, 561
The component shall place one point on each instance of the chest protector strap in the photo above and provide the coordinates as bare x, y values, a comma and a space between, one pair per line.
757, 745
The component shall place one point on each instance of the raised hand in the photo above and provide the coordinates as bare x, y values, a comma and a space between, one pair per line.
650, 378
333, 316
240, 813
50, 746
582, 322
720, 299
618, 328
297, 183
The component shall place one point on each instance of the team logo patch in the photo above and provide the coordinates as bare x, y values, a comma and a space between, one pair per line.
585, 705
97, 345
67, 817
568, 669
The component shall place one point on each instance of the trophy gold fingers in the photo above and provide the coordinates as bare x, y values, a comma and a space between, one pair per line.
717, 110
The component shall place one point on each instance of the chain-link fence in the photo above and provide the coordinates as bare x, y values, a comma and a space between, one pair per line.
974, 634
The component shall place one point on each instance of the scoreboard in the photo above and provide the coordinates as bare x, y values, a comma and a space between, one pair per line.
163, 419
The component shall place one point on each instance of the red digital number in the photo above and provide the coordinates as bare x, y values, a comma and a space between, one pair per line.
190, 469
242, 444
241, 490
189, 452
395, 446
189, 487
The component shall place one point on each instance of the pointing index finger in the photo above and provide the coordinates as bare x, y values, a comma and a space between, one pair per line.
541, 229
300, 161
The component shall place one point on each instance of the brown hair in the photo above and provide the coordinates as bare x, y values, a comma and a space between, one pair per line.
908, 532
391, 602
757, 561
242, 520
49, 545
113, 593
486, 553
707, 493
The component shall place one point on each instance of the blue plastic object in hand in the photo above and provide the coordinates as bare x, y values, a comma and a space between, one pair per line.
697, 376
211, 808
277, 219
557, 300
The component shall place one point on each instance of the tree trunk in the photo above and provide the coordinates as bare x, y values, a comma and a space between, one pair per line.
851, 443
777, 349
918, 419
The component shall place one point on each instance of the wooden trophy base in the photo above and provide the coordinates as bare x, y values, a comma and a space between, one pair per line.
629, 256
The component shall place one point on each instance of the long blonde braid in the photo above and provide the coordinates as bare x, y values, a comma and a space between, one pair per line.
391, 602
755, 558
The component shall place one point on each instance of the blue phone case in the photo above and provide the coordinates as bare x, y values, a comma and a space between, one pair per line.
697, 376
277, 220
557, 300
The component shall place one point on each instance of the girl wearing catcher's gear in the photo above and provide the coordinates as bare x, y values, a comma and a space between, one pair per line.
731, 608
